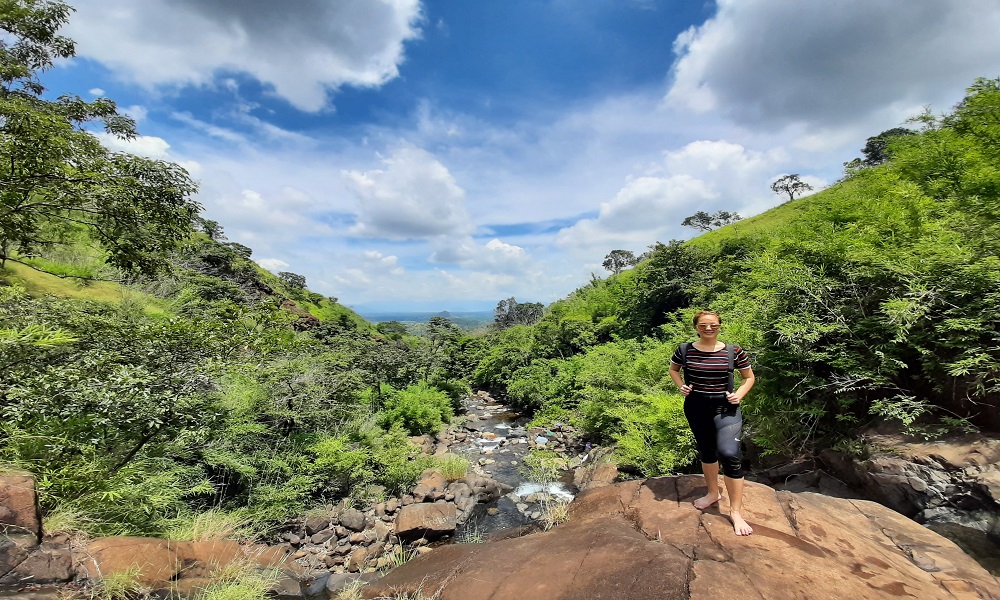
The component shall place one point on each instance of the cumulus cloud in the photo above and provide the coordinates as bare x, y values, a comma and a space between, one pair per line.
767, 62
265, 220
142, 145
413, 197
273, 264
703, 175
302, 53
494, 256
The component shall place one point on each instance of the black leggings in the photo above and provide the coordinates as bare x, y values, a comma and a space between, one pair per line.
716, 425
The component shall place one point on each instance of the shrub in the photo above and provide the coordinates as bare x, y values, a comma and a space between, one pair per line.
419, 408
652, 434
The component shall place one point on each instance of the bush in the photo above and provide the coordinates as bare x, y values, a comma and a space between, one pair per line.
652, 434
419, 408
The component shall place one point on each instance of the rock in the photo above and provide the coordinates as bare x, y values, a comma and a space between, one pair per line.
19, 500
321, 537
644, 540
601, 470
391, 505
960, 474
356, 561
353, 519
315, 524
428, 520
338, 581
177, 566
43, 565
286, 588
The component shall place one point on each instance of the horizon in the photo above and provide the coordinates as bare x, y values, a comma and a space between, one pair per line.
412, 154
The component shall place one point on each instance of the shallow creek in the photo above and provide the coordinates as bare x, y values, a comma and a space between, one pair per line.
496, 444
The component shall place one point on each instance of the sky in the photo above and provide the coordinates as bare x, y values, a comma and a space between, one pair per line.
447, 154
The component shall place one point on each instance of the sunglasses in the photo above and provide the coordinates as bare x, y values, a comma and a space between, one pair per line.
709, 325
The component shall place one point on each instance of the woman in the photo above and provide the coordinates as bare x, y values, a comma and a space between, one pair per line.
712, 409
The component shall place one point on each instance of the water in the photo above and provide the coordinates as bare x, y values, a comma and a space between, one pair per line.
496, 446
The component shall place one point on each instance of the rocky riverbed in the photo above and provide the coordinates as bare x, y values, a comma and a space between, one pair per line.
950, 487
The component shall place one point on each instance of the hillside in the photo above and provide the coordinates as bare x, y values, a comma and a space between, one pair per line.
873, 301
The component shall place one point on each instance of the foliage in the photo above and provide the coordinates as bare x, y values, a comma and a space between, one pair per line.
702, 221
419, 409
617, 261
791, 185
239, 580
452, 466
510, 312
57, 182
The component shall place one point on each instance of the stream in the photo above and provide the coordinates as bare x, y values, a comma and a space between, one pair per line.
497, 442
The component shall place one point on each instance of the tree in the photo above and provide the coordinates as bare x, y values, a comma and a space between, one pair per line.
394, 330
618, 260
876, 148
510, 312
57, 182
703, 221
791, 185
294, 281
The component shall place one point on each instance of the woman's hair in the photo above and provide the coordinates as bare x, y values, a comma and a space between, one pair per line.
701, 313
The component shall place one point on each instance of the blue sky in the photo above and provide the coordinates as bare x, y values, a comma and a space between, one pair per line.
446, 154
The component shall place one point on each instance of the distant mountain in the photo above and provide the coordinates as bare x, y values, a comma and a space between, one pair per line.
464, 319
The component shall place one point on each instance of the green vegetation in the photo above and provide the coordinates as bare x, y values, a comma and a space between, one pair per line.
194, 395
876, 299
155, 379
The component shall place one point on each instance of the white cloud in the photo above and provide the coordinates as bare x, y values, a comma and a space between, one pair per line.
772, 63
273, 264
413, 197
303, 53
143, 145
96, 92
703, 175
494, 256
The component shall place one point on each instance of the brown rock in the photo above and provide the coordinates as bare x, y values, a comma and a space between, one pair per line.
43, 565
428, 520
19, 500
357, 560
316, 524
171, 565
644, 539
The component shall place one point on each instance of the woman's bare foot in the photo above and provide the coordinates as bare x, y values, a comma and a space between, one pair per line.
706, 501
740, 526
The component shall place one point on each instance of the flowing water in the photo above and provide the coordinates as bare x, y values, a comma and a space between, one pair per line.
496, 445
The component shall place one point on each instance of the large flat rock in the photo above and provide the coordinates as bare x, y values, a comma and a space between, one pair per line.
644, 540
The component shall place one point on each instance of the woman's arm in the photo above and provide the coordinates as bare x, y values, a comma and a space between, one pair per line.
748, 381
675, 374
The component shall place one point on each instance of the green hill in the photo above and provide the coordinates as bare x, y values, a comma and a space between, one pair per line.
877, 299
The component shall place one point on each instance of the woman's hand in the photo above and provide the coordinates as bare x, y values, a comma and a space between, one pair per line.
732, 397
685, 390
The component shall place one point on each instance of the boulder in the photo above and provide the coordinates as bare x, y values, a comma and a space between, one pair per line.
644, 539
19, 511
426, 520
183, 567
956, 480
43, 565
599, 470
353, 519
315, 524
